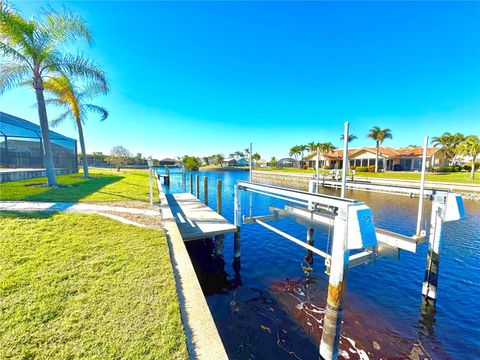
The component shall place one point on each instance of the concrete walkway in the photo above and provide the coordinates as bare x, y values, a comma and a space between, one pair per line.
85, 208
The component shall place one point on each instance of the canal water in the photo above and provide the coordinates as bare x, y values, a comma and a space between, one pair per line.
270, 304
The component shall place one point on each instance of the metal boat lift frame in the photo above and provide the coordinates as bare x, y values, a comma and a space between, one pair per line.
324, 210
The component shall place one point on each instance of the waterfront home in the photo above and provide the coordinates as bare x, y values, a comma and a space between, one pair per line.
235, 162
405, 159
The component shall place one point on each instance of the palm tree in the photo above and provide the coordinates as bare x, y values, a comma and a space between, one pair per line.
302, 149
379, 135
295, 152
326, 147
256, 157
312, 146
33, 49
74, 100
350, 138
448, 142
470, 146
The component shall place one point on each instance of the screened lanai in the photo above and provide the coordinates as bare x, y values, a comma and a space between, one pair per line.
21, 145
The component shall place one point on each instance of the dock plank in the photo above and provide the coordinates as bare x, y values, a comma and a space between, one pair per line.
196, 220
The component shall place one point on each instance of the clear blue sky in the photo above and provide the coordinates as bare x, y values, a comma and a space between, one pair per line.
202, 78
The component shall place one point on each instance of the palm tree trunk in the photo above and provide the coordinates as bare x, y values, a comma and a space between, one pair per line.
376, 157
47, 148
82, 147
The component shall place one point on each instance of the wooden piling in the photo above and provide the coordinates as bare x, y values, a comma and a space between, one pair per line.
197, 186
219, 196
236, 244
332, 319
219, 245
205, 190
191, 183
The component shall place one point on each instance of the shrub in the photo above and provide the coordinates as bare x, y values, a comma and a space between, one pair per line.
361, 169
371, 168
468, 167
305, 167
441, 169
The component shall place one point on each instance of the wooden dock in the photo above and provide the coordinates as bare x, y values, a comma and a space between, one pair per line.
196, 220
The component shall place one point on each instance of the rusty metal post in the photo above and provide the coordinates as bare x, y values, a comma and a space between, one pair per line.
191, 183
332, 319
197, 186
205, 190
219, 196
430, 282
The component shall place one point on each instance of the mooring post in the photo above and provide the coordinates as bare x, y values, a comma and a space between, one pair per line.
311, 187
429, 288
219, 196
318, 168
332, 319
237, 213
197, 186
191, 183
205, 190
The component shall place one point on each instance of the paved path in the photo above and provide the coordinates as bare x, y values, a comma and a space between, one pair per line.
85, 208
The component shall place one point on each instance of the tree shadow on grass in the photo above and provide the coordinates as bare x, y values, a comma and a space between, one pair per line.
73, 192
26, 214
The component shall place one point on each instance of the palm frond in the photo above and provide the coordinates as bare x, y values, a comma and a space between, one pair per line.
11, 52
76, 65
63, 27
13, 75
98, 109
57, 121
16, 34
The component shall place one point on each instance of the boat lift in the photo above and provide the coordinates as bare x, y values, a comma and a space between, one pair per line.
353, 231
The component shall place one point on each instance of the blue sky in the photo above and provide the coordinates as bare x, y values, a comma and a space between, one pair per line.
203, 78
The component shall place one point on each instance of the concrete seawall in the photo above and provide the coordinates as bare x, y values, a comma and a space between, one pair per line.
300, 181
203, 339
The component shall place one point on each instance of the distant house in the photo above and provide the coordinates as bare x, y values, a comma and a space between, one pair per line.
167, 162
406, 159
287, 162
235, 162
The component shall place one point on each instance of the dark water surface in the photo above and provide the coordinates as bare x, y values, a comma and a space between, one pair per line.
266, 307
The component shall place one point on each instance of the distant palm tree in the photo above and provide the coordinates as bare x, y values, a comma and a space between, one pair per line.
326, 147
448, 142
74, 100
302, 149
379, 135
470, 146
32, 51
312, 146
351, 137
295, 152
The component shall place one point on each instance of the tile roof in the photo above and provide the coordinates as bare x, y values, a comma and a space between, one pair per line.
384, 151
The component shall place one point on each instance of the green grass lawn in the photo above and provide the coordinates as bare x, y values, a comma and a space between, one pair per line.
103, 185
458, 177
85, 286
